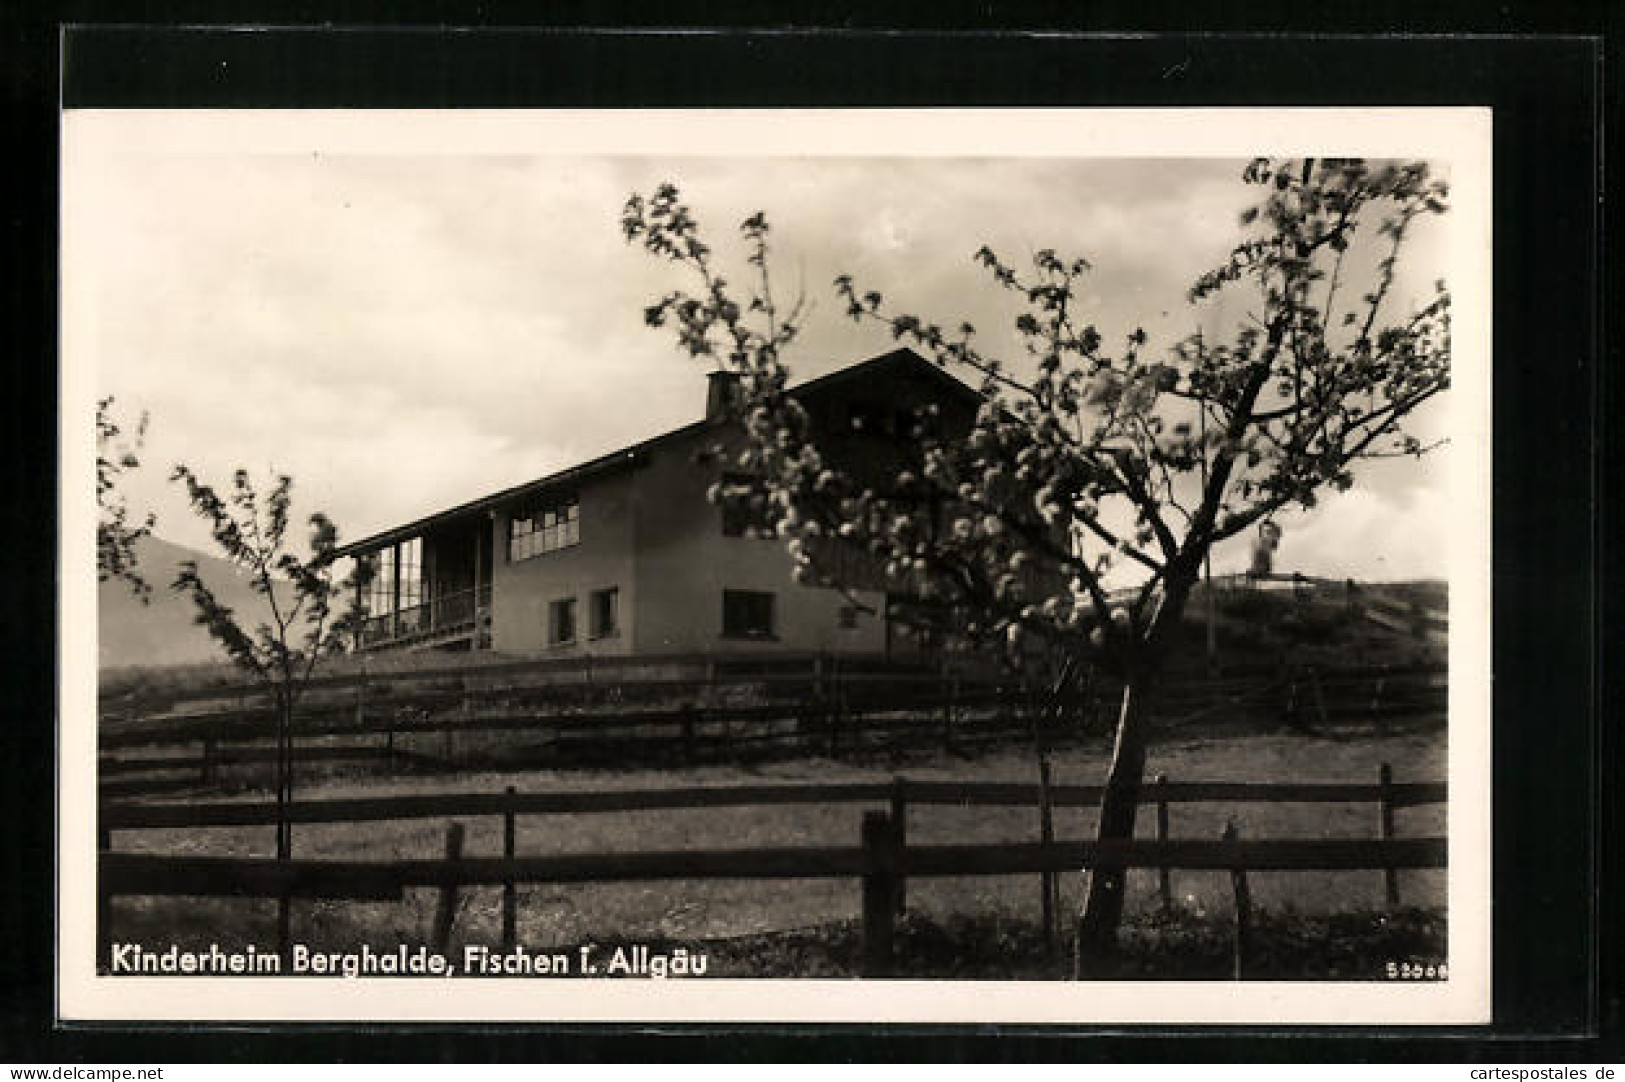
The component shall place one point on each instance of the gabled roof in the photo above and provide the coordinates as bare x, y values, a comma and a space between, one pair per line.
637, 453
903, 357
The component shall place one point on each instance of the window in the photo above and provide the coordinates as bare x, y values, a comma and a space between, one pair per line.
411, 563
397, 579
546, 528
381, 599
848, 617
744, 514
561, 622
605, 613
747, 614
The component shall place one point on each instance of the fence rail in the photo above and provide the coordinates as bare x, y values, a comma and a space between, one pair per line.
131, 816
883, 862
410, 714
673, 670
501, 729
696, 668
155, 875
396, 710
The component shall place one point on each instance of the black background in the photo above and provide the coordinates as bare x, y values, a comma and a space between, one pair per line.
1556, 396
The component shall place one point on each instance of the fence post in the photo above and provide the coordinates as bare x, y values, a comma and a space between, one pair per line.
208, 771
1048, 884
510, 893
1244, 909
1165, 885
445, 913
879, 890
1385, 827
899, 822
951, 686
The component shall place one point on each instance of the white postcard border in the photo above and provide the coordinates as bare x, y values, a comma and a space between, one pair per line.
1460, 136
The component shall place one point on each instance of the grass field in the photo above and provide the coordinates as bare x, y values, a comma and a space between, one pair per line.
690, 911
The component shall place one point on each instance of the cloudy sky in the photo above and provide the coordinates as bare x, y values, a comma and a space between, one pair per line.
406, 328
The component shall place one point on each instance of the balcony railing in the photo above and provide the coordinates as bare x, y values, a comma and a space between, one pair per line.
444, 616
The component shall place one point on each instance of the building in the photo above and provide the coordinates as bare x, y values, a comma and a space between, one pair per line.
625, 555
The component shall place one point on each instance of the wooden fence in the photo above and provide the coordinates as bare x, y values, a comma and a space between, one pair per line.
664, 670
686, 676
843, 712
883, 861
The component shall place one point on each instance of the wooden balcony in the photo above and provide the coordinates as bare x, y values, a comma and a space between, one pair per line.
441, 621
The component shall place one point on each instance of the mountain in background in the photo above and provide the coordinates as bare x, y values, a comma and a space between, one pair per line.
162, 632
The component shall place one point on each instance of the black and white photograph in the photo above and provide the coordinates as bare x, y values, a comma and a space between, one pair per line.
981, 566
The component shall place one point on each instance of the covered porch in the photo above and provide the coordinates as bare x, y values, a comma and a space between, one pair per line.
431, 590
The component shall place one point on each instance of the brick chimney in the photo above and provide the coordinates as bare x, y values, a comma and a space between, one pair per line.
721, 394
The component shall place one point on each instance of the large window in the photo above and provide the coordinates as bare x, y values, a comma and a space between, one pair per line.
397, 580
561, 622
747, 614
411, 559
605, 614
381, 595
545, 528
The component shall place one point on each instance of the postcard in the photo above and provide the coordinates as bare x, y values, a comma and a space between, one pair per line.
1018, 566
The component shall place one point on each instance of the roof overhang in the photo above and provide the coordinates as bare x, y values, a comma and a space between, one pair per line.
624, 459
637, 454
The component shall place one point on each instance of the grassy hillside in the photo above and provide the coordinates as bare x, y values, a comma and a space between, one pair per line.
1322, 627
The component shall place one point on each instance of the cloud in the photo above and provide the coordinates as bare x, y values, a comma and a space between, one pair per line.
405, 332
1364, 534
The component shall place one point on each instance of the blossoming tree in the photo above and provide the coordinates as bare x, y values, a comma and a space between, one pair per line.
1108, 474
311, 613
